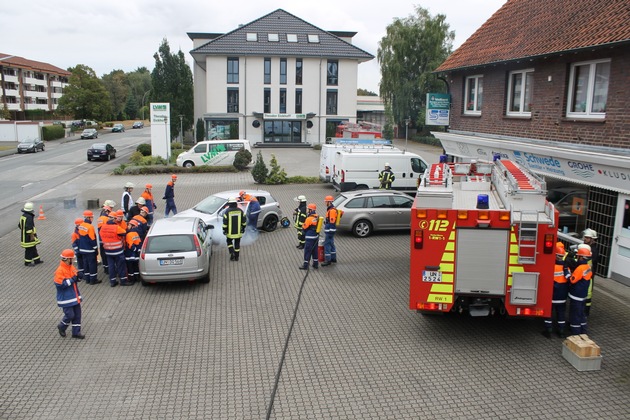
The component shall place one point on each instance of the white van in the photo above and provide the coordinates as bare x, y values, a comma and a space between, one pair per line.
327, 154
360, 170
212, 153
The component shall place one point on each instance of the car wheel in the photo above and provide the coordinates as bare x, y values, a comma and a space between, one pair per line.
270, 223
205, 279
362, 229
144, 283
89, 159
188, 164
42, 148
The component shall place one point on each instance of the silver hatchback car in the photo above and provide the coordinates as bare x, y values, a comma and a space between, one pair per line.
369, 210
210, 209
176, 249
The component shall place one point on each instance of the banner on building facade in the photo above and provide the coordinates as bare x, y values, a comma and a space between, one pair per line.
438, 109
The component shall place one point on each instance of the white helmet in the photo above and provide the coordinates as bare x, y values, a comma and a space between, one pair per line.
232, 200
28, 206
387, 165
584, 246
129, 185
589, 233
109, 203
300, 198
141, 201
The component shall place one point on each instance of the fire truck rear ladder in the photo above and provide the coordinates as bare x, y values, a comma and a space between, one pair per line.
528, 221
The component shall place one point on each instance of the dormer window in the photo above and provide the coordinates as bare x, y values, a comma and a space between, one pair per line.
252, 36
292, 38
273, 37
313, 39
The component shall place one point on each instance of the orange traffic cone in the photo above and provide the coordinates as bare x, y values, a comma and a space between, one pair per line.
41, 213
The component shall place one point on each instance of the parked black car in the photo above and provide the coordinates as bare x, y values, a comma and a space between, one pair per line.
101, 151
30, 145
138, 124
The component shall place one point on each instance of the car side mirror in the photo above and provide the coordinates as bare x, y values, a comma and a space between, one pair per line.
208, 227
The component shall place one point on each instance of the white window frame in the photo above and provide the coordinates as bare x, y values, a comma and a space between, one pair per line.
252, 36
292, 38
590, 91
273, 38
476, 108
524, 87
313, 39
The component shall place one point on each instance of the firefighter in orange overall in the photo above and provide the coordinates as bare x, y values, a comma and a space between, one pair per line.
68, 295
578, 290
560, 293
88, 248
330, 228
253, 208
112, 235
149, 201
311, 237
108, 207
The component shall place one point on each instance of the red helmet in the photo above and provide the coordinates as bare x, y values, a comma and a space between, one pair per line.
560, 250
144, 209
134, 222
119, 213
329, 198
78, 221
173, 176
311, 206
67, 253
148, 186
241, 193
88, 213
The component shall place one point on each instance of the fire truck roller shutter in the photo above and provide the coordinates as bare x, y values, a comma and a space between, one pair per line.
481, 261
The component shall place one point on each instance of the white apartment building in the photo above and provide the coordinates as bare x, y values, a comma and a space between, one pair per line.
30, 85
277, 80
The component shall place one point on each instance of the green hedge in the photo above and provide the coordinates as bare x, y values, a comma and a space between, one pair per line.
53, 132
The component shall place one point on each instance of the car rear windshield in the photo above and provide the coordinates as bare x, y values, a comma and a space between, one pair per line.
99, 146
170, 243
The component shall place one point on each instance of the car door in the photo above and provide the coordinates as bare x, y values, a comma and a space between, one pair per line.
382, 213
401, 205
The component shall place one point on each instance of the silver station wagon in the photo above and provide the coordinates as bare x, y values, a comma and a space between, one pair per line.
176, 249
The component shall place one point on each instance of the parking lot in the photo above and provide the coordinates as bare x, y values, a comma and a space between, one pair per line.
214, 351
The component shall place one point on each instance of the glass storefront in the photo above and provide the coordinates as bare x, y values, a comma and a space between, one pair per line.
223, 129
282, 131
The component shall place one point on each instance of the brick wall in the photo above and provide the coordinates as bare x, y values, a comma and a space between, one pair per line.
548, 121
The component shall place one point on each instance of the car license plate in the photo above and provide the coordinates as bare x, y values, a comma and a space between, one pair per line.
432, 276
175, 261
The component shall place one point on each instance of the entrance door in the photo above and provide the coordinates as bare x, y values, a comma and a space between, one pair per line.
620, 251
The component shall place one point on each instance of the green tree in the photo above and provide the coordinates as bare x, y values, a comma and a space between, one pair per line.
118, 87
200, 131
277, 175
411, 50
85, 97
260, 171
131, 107
172, 82
139, 82
5, 114
365, 92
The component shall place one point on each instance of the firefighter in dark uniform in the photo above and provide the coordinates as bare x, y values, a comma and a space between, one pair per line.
28, 236
169, 196
578, 290
299, 216
589, 236
386, 177
311, 237
560, 292
330, 228
234, 224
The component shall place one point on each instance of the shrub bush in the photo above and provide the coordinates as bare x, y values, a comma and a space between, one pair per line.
242, 159
53, 132
277, 175
303, 180
260, 171
318, 146
144, 148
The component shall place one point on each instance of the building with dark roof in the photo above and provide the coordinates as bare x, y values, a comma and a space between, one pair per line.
546, 83
30, 85
277, 80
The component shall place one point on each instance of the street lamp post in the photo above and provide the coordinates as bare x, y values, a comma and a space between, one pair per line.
407, 120
168, 141
142, 103
181, 131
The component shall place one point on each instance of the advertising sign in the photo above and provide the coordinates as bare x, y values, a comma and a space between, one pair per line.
161, 129
438, 109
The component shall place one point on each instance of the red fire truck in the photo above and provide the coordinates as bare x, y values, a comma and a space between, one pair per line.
482, 241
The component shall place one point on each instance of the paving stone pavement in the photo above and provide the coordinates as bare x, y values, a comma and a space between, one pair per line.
213, 351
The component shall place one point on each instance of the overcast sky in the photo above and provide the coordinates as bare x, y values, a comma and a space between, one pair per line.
115, 34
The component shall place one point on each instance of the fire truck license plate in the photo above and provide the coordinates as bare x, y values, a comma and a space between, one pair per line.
432, 276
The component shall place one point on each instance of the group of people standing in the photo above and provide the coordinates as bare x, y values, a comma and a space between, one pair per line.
574, 278
309, 225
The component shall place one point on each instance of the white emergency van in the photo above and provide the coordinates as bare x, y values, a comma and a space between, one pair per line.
327, 154
212, 153
359, 170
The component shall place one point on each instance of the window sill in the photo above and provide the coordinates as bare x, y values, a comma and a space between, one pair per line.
517, 117
465, 115
583, 120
